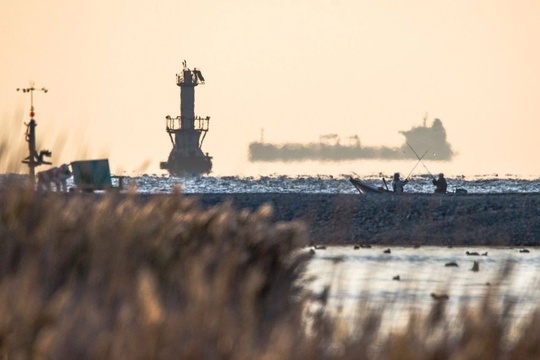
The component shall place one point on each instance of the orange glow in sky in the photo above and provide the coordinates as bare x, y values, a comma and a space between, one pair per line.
296, 69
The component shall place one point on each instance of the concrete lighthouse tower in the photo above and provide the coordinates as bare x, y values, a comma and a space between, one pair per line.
187, 131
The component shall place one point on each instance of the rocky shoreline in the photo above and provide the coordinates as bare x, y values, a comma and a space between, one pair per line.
511, 219
411, 219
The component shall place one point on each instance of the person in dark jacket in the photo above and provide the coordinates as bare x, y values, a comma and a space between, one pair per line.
397, 183
440, 184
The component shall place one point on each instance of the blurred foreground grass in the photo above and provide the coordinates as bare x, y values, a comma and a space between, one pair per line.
116, 276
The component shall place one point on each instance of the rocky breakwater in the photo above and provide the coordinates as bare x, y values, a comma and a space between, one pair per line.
409, 219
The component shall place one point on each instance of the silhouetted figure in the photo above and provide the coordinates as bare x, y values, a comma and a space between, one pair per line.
397, 183
440, 184
476, 266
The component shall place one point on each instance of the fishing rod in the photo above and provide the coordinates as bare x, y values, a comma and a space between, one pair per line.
415, 165
420, 160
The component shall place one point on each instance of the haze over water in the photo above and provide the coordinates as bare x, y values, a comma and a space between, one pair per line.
297, 70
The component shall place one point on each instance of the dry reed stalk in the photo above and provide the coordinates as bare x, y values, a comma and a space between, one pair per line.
112, 276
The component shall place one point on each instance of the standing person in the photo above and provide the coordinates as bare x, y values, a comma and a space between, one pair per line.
440, 184
397, 183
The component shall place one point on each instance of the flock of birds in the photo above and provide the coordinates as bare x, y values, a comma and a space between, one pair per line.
438, 297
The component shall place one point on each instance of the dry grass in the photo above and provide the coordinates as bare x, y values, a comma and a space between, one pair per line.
114, 276
13, 147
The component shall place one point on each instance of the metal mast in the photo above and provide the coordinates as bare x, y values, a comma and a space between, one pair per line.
34, 158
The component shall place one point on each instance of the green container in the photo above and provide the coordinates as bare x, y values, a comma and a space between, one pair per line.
92, 174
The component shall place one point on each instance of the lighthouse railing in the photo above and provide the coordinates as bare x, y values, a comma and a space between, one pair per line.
199, 123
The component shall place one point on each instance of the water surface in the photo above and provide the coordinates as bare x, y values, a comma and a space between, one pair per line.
323, 184
366, 276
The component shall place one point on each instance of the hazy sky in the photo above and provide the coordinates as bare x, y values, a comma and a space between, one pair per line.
297, 69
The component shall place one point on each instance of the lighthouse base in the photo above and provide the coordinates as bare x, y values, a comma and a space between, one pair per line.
178, 165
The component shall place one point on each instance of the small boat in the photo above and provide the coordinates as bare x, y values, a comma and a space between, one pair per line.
365, 188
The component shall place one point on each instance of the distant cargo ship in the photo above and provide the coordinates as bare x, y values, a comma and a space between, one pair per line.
424, 140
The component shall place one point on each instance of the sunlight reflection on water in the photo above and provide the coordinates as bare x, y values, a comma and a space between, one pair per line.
318, 184
323, 184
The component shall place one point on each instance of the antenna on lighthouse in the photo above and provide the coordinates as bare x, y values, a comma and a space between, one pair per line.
34, 158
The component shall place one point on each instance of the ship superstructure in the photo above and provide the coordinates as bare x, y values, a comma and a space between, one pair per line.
187, 131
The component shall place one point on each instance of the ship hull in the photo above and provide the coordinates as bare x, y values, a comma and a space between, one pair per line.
305, 152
